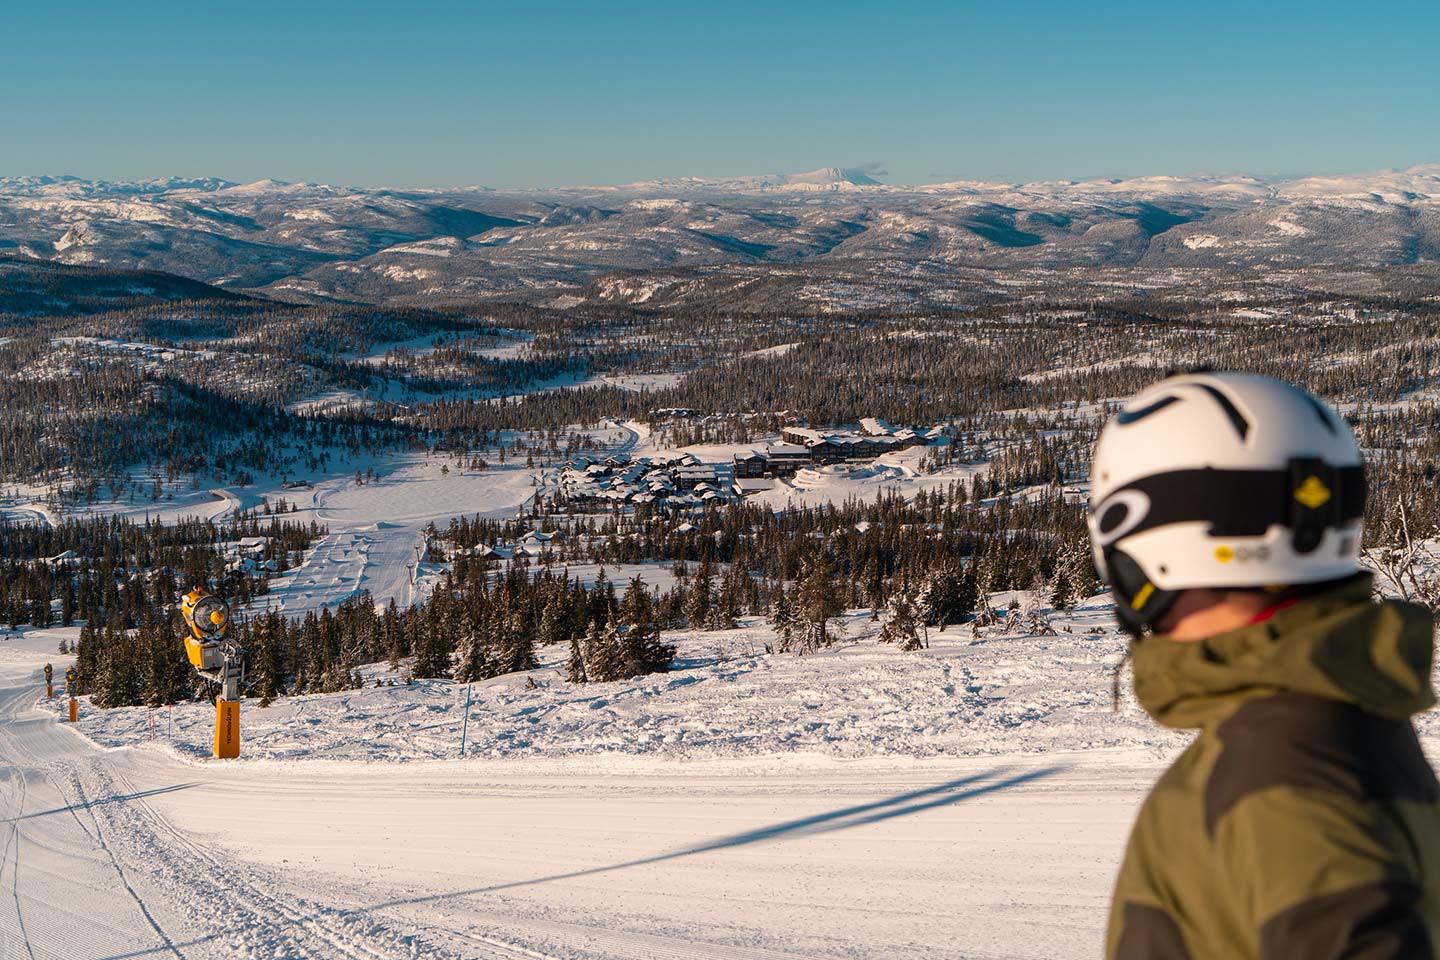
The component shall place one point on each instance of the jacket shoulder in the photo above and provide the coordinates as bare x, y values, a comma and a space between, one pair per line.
1307, 742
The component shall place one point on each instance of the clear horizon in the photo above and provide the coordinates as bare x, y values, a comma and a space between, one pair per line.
884, 178
571, 95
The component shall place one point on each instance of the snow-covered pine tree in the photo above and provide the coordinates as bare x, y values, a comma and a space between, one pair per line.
1060, 588
1078, 562
266, 664
816, 601
640, 647
471, 665
575, 666
512, 646
592, 651
432, 654
902, 626
698, 599
552, 618
782, 617
605, 657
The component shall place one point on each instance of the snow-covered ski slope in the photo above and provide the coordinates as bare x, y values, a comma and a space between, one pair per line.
138, 851
377, 529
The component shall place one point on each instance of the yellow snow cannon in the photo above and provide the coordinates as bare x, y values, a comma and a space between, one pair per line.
208, 617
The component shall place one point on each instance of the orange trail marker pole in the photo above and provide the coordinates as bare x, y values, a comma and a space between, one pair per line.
74, 712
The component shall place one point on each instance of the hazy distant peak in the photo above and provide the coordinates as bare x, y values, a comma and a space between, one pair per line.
269, 187
826, 175
825, 178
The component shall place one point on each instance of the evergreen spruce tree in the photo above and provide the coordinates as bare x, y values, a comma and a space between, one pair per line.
1078, 564
902, 626
551, 629
698, 599
512, 646
782, 617
816, 601
575, 667
641, 650
432, 654
471, 664
603, 654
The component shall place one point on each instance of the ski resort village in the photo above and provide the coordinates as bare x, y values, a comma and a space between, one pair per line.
692, 569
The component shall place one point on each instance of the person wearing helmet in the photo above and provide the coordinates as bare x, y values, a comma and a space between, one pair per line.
1303, 821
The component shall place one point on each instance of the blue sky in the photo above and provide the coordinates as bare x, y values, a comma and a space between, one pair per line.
536, 94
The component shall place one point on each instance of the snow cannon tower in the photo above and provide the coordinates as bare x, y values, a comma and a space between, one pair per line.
218, 658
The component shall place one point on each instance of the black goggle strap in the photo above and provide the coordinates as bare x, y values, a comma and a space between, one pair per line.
1309, 496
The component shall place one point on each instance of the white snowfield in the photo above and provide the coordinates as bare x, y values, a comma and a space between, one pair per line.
969, 801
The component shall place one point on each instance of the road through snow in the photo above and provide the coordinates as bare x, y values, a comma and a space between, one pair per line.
133, 852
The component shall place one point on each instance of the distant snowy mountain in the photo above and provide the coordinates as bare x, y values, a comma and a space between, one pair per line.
825, 178
315, 241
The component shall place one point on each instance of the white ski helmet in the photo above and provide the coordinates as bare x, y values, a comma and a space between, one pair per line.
1222, 480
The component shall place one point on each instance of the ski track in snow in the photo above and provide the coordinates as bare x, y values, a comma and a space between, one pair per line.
141, 850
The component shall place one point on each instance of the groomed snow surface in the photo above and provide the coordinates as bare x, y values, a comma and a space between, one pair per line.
966, 801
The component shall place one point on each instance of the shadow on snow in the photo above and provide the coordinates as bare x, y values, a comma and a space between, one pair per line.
901, 805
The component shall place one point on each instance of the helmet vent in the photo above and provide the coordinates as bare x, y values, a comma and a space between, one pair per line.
1131, 416
1237, 419
1320, 412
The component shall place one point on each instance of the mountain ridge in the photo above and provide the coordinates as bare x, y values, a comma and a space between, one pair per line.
313, 241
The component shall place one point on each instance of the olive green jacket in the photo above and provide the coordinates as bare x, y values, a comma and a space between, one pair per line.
1303, 821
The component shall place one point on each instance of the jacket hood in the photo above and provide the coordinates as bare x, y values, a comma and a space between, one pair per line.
1339, 644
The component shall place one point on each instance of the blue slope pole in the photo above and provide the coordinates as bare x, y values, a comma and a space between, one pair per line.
465, 723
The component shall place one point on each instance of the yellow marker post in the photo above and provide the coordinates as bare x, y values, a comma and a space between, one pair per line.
74, 711
227, 729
